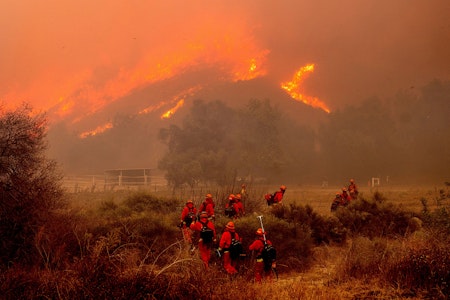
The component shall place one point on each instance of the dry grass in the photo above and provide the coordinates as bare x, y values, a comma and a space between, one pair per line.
125, 251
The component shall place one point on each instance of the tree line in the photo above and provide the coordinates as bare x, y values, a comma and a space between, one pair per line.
405, 138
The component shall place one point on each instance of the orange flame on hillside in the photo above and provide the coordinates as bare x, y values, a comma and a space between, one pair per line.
171, 111
99, 129
293, 88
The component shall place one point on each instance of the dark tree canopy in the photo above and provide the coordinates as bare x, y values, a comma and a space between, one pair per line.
29, 183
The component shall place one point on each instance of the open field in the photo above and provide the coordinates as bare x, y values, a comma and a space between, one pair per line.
124, 244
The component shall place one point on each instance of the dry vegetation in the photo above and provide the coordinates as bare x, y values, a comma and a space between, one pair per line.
391, 243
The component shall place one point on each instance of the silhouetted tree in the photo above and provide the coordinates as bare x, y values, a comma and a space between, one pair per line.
30, 188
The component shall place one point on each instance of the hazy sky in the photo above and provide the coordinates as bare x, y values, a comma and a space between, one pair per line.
90, 53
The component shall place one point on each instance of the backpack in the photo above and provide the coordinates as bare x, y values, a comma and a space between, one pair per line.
189, 218
269, 255
206, 234
236, 248
269, 198
229, 211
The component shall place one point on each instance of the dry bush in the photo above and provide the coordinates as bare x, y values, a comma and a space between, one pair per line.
423, 267
322, 229
375, 218
365, 258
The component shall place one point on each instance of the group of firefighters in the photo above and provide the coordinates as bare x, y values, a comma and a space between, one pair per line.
201, 221
346, 196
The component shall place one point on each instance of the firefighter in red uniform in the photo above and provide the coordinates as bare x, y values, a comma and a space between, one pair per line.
230, 209
224, 245
208, 206
353, 189
188, 215
278, 195
207, 237
345, 197
239, 206
258, 247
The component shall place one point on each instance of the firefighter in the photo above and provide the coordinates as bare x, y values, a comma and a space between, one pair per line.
227, 241
239, 206
336, 202
346, 199
278, 195
230, 209
208, 206
353, 189
207, 237
258, 247
188, 215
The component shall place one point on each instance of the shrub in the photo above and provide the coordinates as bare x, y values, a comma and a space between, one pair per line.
322, 229
375, 218
424, 266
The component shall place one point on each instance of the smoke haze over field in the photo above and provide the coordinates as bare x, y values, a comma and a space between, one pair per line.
85, 61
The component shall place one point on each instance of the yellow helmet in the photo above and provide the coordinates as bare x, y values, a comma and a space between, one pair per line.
283, 187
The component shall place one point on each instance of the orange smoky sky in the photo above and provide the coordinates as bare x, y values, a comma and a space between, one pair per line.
83, 55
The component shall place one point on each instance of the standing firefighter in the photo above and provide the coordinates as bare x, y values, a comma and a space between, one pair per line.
208, 207
239, 206
230, 244
188, 215
353, 189
207, 237
265, 258
346, 199
230, 209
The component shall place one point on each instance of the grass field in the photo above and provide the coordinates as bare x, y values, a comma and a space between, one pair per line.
124, 244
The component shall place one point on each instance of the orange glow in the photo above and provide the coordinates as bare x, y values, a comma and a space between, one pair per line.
99, 129
172, 111
293, 88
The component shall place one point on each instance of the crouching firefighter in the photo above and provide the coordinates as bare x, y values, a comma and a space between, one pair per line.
207, 237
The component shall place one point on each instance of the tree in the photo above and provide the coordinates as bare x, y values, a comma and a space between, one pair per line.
30, 186
198, 151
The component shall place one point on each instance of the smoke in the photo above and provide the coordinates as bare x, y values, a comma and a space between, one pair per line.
82, 51
90, 60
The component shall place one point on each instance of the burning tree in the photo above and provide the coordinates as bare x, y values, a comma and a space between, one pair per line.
29, 183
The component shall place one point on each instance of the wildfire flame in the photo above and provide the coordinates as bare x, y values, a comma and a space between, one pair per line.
99, 129
171, 111
293, 88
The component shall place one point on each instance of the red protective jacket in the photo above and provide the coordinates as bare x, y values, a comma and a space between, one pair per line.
186, 210
258, 246
197, 226
225, 240
207, 206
